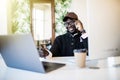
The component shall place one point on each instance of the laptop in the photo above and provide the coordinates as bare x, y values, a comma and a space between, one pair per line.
19, 51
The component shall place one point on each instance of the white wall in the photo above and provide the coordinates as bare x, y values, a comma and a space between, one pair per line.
104, 27
3, 17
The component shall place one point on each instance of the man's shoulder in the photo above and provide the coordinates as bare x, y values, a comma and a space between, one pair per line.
62, 36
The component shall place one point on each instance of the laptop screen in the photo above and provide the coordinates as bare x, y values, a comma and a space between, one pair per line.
19, 51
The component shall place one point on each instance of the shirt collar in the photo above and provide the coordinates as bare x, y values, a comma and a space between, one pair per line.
73, 35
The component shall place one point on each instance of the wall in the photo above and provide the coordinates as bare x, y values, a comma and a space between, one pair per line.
3, 17
103, 27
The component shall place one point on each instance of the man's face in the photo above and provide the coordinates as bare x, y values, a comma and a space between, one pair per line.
70, 25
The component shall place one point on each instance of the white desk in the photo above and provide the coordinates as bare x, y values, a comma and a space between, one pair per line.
68, 72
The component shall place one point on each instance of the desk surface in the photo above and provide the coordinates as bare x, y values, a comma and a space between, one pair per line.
106, 71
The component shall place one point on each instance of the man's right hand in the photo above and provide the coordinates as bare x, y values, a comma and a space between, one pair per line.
44, 52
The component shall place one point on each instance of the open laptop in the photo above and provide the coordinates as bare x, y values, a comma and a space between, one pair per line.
19, 51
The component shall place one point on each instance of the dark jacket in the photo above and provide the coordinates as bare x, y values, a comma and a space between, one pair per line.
66, 43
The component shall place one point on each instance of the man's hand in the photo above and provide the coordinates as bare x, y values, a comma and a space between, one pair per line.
79, 25
44, 52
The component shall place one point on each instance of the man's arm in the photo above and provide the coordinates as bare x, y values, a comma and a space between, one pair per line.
84, 36
55, 49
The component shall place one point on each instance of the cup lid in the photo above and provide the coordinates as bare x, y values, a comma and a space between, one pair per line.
79, 50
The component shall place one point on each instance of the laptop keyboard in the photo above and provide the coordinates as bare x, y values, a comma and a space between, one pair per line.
49, 66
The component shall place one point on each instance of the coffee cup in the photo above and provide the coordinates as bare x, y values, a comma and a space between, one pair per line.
80, 57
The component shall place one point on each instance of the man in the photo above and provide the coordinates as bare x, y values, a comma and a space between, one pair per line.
74, 38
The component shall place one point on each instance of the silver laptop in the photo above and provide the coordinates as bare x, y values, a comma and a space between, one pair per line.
19, 51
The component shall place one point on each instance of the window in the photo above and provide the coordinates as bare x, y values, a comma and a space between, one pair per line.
42, 21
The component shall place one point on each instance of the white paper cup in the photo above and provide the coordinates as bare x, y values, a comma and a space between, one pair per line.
80, 57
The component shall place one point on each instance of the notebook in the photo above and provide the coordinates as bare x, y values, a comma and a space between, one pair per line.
19, 51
